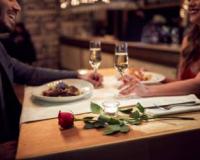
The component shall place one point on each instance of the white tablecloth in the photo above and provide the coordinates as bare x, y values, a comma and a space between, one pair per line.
34, 109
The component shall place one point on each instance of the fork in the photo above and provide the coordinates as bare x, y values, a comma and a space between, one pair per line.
169, 106
184, 105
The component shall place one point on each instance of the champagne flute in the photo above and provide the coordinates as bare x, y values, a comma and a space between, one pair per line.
95, 55
121, 58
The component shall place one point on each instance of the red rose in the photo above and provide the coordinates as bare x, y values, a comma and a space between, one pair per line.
65, 119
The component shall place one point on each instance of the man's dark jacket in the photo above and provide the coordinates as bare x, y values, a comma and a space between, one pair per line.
13, 71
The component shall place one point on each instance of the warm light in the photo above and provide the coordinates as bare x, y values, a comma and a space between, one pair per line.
84, 1
106, 1
182, 13
64, 5
111, 107
75, 2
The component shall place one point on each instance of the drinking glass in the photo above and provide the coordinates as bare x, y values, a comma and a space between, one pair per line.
111, 107
121, 58
95, 55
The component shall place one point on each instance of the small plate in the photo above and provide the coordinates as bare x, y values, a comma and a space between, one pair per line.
85, 88
153, 78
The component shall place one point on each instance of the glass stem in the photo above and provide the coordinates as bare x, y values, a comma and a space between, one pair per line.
122, 75
95, 72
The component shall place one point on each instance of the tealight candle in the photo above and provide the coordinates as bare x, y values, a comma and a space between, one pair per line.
111, 107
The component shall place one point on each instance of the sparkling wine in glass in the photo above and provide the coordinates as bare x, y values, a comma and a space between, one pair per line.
121, 58
95, 55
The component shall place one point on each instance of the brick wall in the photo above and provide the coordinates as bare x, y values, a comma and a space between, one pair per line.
76, 24
45, 22
40, 18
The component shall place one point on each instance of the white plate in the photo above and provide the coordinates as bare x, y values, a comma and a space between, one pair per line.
154, 78
85, 88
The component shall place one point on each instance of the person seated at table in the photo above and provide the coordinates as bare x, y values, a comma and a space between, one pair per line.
11, 70
188, 78
19, 44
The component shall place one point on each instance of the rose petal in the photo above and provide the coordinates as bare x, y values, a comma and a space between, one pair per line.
65, 119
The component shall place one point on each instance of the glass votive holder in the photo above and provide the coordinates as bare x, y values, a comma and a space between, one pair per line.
111, 107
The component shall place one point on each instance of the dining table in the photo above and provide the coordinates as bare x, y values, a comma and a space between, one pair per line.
158, 139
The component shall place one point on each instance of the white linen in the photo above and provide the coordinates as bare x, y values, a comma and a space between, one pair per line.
34, 109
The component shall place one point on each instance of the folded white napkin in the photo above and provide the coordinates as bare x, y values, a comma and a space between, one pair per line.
174, 109
159, 101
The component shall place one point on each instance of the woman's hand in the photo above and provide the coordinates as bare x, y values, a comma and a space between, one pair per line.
127, 80
95, 78
132, 85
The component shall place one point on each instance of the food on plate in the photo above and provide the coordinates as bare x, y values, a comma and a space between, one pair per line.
60, 89
139, 74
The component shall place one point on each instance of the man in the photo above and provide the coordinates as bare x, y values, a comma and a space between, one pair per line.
12, 71
19, 44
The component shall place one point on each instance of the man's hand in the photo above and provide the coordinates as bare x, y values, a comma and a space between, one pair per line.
95, 78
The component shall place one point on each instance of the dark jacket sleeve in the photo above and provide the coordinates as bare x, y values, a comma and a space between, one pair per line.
25, 74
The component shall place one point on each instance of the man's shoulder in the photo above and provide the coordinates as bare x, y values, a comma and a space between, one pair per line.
3, 52
4, 58
2, 49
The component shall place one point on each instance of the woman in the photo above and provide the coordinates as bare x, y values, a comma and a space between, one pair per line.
188, 80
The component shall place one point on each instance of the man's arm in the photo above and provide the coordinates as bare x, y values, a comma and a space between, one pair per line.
25, 74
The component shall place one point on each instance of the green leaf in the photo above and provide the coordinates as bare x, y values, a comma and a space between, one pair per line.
95, 108
144, 117
99, 124
135, 115
114, 121
104, 118
96, 124
140, 107
134, 122
116, 124
89, 125
111, 129
125, 129
87, 119
126, 111
122, 122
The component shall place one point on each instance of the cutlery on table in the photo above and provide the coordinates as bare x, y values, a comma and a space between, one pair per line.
169, 106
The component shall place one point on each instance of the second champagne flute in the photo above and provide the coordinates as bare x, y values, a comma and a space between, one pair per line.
121, 58
95, 55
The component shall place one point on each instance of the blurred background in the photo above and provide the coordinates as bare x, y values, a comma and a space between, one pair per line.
60, 31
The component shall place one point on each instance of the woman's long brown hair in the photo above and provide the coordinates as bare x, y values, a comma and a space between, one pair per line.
192, 51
